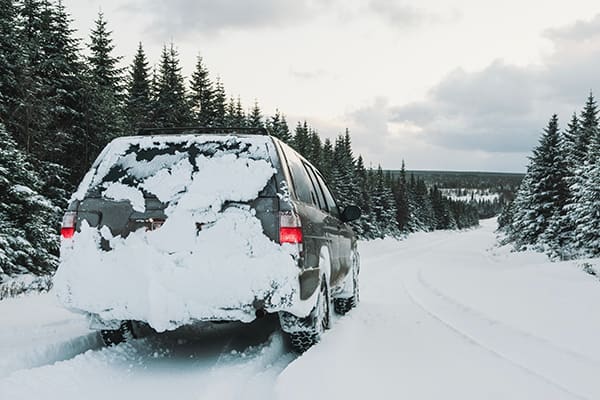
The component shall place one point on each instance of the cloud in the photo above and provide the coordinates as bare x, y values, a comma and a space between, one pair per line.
488, 119
580, 30
401, 15
210, 17
503, 108
312, 74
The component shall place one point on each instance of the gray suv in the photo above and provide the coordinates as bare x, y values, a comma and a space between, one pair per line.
186, 226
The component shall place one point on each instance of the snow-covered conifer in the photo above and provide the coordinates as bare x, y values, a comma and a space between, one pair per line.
255, 118
138, 106
170, 106
202, 96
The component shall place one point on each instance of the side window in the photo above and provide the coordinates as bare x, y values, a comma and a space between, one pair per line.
300, 180
333, 208
316, 187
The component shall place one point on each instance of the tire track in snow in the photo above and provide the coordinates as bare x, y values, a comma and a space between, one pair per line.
224, 363
573, 374
506, 327
37, 355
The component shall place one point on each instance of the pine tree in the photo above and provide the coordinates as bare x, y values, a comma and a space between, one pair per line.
9, 50
383, 206
202, 96
559, 236
365, 226
64, 87
420, 206
28, 241
278, 127
103, 103
543, 192
220, 105
342, 179
588, 129
170, 106
138, 106
315, 155
239, 120
301, 141
29, 117
327, 160
586, 210
230, 113
400, 190
255, 118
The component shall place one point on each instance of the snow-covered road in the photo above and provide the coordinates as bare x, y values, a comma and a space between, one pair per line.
443, 315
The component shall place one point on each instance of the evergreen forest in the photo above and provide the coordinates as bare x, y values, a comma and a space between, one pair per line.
62, 99
557, 207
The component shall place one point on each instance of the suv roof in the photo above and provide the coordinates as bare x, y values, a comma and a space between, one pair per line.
204, 130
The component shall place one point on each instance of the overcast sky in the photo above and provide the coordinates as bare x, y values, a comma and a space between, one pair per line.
443, 84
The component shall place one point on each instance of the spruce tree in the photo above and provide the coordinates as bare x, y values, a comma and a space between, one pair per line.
586, 210
315, 154
230, 113
29, 116
103, 103
138, 106
278, 127
342, 180
301, 141
588, 128
400, 190
28, 240
365, 225
543, 192
383, 206
240, 116
170, 106
202, 96
64, 88
327, 160
219, 105
255, 118
9, 54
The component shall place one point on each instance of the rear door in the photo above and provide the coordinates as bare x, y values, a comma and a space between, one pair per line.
343, 233
312, 207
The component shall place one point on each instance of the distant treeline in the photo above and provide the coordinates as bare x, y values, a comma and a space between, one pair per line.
59, 108
557, 208
504, 184
493, 181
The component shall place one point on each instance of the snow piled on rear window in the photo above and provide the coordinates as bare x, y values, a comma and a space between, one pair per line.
118, 191
210, 260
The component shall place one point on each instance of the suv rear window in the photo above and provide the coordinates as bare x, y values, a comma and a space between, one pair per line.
300, 180
132, 161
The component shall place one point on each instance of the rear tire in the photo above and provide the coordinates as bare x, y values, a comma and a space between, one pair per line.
344, 304
115, 336
306, 332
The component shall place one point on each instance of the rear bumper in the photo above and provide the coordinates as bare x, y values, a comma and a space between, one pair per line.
242, 313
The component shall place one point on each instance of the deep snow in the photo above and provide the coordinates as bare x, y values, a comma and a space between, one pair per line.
443, 315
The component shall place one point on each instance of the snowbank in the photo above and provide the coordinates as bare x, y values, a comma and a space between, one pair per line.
206, 262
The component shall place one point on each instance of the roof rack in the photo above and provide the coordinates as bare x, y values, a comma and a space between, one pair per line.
201, 130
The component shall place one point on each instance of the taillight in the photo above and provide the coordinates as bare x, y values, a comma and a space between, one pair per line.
290, 228
68, 225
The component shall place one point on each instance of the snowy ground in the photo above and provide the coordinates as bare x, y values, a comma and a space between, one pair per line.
443, 316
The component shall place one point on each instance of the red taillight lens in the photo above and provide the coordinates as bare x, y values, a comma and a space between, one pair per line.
67, 233
68, 225
290, 228
290, 235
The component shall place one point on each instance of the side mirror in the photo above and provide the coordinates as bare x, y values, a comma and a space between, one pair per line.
350, 213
